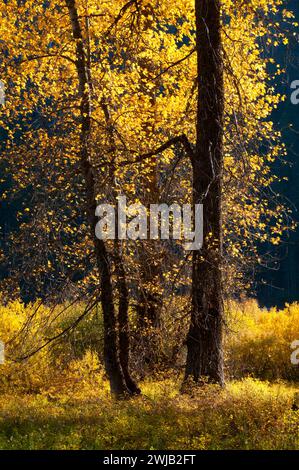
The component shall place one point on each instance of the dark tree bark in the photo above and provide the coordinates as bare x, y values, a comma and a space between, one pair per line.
204, 340
123, 316
148, 335
124, 332
150, 301
112, 363
149, 307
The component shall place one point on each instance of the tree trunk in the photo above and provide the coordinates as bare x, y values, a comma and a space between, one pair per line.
123, 317
204, 340
150, 301
124, 333
149, 308
112, 363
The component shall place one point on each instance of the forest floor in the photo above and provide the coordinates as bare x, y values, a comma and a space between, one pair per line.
247, 414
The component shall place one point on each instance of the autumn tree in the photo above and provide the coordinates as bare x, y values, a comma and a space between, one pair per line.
117, 98
204, 342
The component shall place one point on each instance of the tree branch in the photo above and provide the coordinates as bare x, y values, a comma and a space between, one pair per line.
174, 64
182, 139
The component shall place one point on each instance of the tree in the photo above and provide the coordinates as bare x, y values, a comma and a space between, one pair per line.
204, 341
134, 117
214, 68
119, 382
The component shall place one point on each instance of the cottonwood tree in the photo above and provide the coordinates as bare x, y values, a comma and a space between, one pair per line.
104, 97
66, 24
204, 341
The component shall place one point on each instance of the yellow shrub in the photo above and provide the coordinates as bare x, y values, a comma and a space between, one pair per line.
257, 344
259, 341
24, 329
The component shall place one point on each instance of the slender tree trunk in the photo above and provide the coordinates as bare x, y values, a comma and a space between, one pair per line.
204, 341
124, 333
149, 307
150, 300
123, 316
112, 363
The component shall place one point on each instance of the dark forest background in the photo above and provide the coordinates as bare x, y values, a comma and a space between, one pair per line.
280, 283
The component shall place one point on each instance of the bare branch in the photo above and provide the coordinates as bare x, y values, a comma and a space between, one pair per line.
175, 63
182, 139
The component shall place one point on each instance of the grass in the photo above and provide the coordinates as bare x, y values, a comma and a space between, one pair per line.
247, 414
59, 399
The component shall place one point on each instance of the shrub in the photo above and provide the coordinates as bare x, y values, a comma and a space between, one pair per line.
24, 329
259, 341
